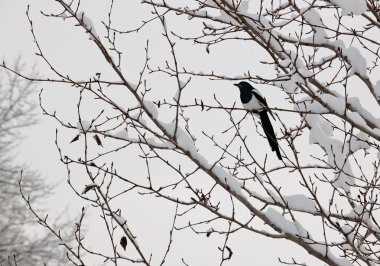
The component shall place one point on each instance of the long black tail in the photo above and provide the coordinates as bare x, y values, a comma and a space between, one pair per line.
269, 132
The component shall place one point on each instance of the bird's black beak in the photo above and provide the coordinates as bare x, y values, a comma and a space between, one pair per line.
236, 84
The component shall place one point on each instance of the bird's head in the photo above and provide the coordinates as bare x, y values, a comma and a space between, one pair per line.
244, 86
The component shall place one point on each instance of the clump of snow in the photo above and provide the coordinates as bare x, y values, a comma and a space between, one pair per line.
224, 16
361, 113
321, 134
243, 7
292, 84
152, 109
339, 45
338, 103
88, 24
211, 26
295, 228
377, 89
314, 19
357, 61
122, 134
355, 58
196, 13
168, 127
305, 73
285, 63
119, 219
186, 142
356, 118
268, 34
355, 7
65, 15
284, 224
336, 154
300, 202
210, 3
355, 212
311, 16
176, 95
181, 85
227, 179
153, 142
359, 142
326, 127
324, 59
83, 125
135, 116
317, 133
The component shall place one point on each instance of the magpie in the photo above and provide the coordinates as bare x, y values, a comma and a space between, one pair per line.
254, 102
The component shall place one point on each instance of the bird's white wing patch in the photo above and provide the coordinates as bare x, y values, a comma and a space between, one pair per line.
253, 104
256, 91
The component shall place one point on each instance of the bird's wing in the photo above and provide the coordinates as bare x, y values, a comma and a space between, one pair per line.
262, 100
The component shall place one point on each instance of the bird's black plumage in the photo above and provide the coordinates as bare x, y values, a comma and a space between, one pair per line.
254, 102
269, 132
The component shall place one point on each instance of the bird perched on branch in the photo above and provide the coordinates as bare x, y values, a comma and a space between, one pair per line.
254, 102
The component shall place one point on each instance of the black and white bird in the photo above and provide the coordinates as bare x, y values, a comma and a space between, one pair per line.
254, 102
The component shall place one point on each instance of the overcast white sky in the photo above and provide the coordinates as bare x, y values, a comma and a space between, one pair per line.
69, 48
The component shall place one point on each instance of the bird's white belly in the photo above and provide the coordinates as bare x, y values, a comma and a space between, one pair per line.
253, 105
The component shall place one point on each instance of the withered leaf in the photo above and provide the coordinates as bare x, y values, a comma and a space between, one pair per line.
123, 242
87, 188
230, 252
75, 139
98, 141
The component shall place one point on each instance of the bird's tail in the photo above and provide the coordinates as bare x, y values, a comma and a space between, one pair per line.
269, 132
